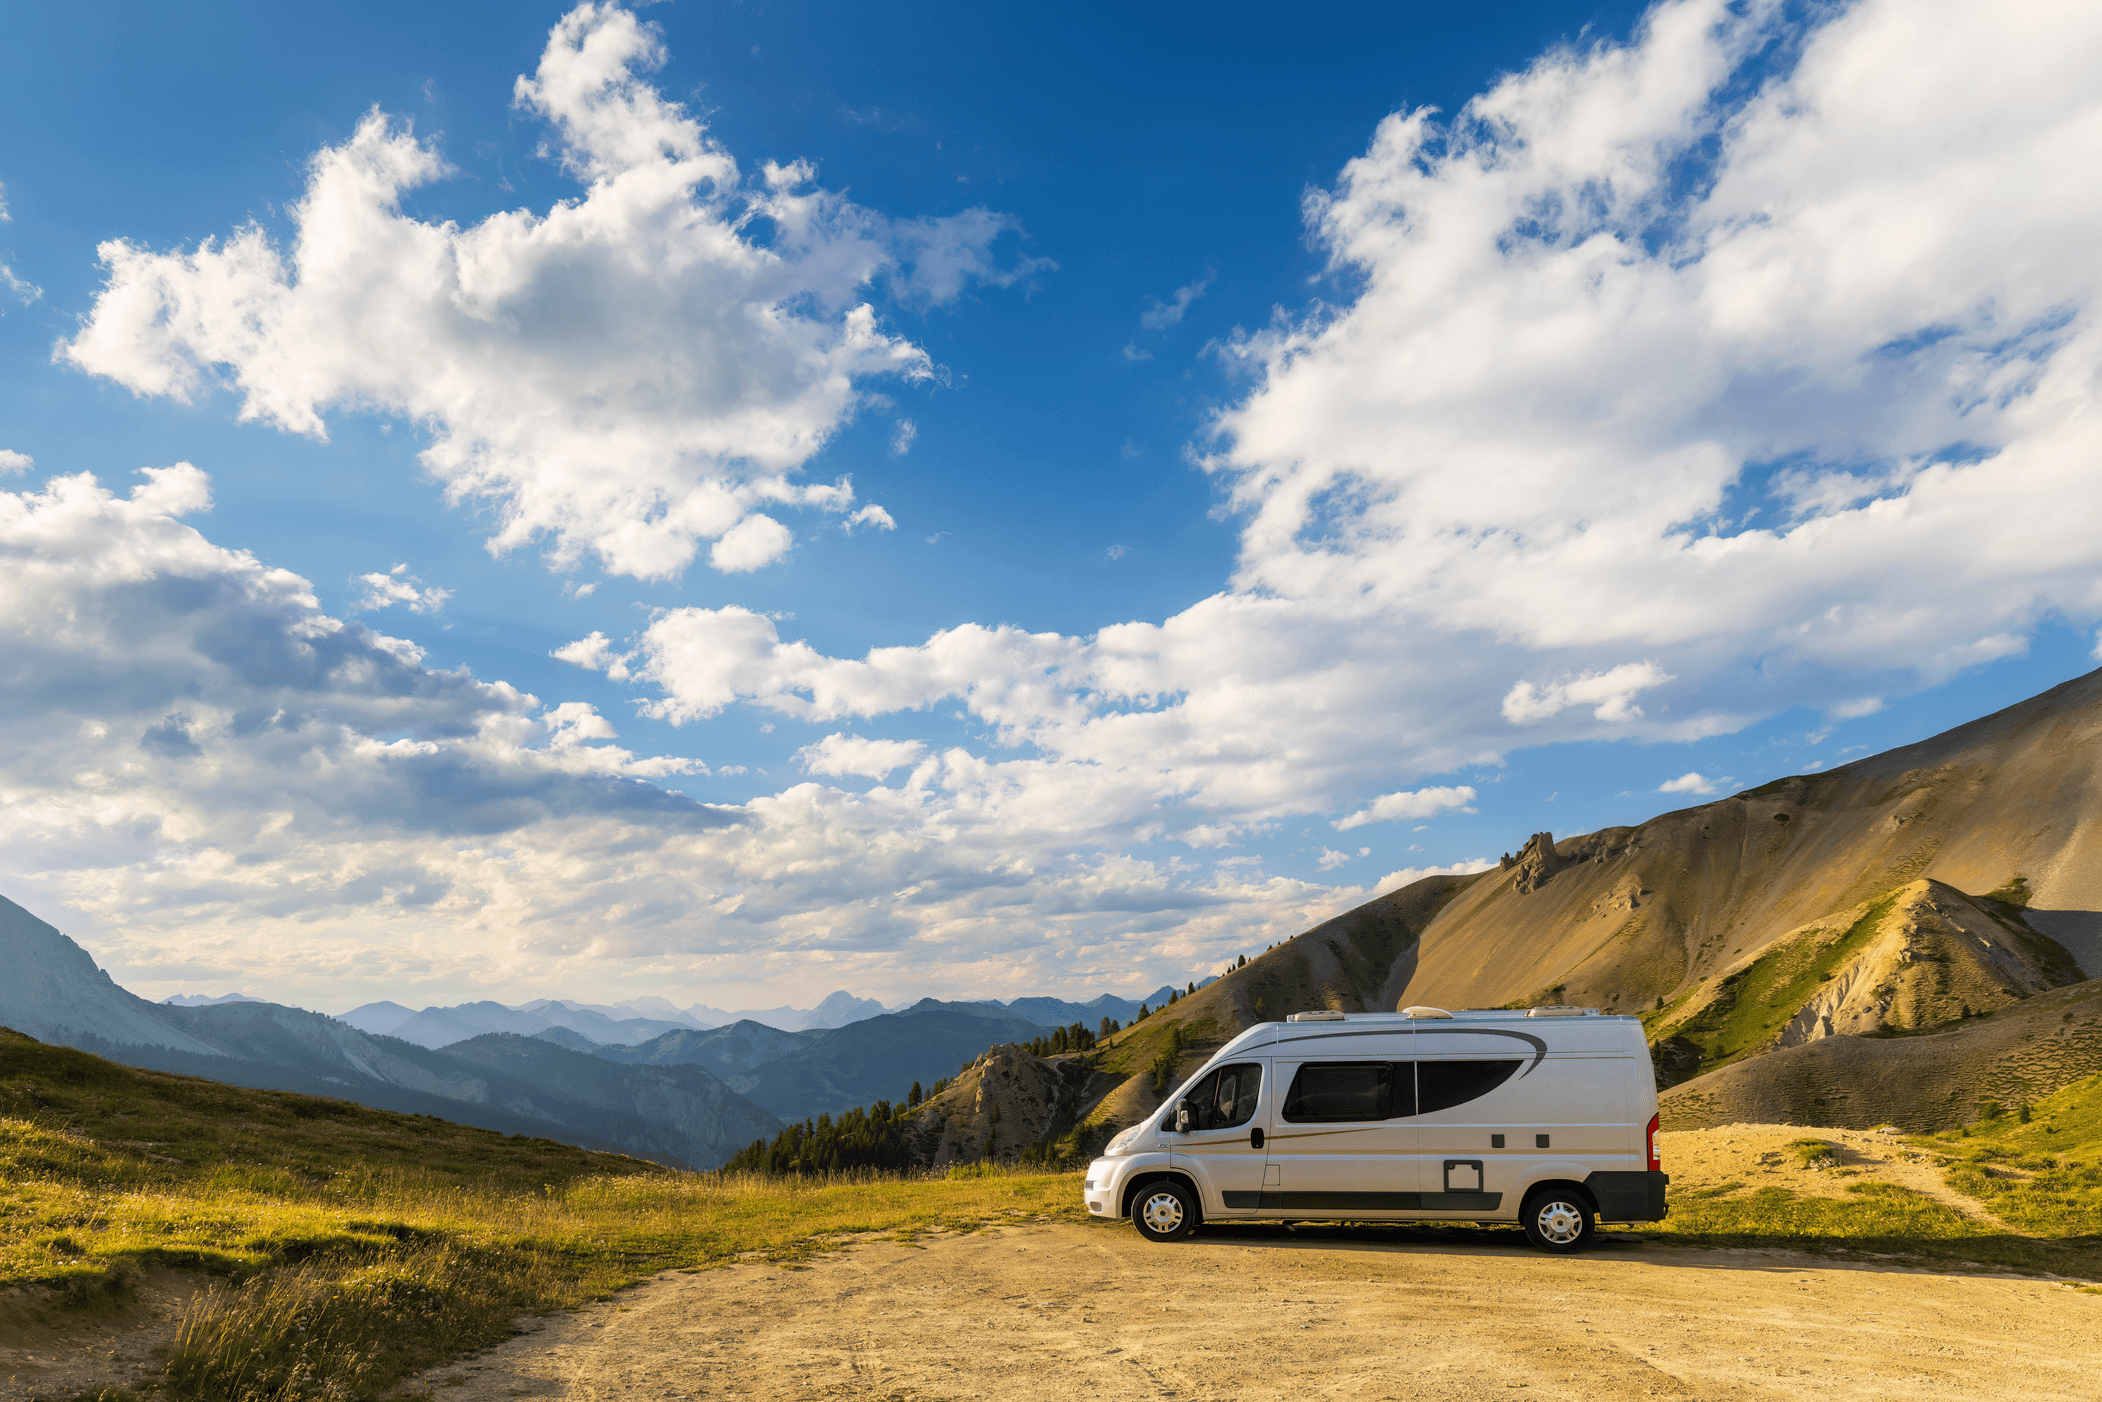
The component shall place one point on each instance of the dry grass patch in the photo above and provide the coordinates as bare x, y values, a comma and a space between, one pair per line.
339, 1250
1883, 1195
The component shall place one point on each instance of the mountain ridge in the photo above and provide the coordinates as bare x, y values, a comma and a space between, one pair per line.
52, 991
2001, 817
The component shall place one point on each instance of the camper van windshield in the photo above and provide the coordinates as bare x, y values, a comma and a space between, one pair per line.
1226, 1097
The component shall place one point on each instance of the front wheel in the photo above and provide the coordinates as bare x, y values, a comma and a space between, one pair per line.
1557, 1220
1164, 1211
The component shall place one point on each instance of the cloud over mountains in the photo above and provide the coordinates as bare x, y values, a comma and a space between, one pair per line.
1751, 363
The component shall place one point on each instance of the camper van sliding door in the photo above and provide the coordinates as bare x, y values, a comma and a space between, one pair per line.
1519, 1111
1342, 1145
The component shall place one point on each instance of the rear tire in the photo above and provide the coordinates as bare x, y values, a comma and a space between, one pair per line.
1164, 1210
1557, 1220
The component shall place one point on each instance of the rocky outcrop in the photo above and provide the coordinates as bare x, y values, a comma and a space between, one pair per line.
1005, 1102
1535, 863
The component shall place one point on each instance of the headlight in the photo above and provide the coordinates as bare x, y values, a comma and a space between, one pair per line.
1121, 1145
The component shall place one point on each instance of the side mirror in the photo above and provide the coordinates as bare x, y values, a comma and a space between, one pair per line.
1182, 1117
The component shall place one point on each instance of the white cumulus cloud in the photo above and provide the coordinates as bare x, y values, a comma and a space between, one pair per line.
1687, 783
1750, 348
1613, 694
1423, 803
12, 461
626, 374
398, 586
851, 754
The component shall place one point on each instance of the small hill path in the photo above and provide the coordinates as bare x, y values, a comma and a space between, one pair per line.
1759, 1156
1060, 1312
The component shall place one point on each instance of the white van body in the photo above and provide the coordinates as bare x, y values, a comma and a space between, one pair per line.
1424, 1115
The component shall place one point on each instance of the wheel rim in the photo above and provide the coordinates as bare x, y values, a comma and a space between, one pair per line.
1162, 1212
1560, 1222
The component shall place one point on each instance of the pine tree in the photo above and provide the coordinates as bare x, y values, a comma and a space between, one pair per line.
914, 1096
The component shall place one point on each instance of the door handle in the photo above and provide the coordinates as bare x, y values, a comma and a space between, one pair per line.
1255, 1139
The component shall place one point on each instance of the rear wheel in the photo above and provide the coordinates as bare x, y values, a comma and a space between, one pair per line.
1164, 1210
1557, 1220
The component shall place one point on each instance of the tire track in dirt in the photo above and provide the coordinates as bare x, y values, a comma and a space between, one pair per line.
1066, 1311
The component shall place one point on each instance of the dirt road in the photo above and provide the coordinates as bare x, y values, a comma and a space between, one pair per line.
1058, 1312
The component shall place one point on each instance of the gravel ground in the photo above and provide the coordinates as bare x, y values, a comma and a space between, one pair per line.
1061, 1311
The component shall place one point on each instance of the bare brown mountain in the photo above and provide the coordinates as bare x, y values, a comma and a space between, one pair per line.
1918, 888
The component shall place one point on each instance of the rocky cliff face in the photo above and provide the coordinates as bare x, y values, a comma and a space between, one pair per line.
1004, 1102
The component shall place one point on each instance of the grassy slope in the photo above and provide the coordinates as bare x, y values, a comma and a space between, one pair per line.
2041, 1178
2042, 1175
345, 1248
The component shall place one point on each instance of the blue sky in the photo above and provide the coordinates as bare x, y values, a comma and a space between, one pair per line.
1144, 483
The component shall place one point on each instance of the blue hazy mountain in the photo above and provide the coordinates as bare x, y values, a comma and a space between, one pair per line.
829, 1069
730, 1052
380, 1018
51, 990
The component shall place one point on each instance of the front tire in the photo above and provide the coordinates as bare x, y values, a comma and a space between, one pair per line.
1557, 1220
1164, 1210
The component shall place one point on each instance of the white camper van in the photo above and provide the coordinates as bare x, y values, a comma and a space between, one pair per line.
1546, 1117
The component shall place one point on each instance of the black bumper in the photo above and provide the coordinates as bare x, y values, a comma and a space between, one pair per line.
1629, 1197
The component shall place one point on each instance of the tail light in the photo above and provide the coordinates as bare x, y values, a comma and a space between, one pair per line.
1656, 1164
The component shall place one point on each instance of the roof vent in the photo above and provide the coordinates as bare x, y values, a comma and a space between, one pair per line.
1561, 1010
1426, 1012
1323, 1015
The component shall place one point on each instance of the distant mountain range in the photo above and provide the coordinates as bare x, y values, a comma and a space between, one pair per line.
642, 1020
800, 1074
598, 1075
677, 1113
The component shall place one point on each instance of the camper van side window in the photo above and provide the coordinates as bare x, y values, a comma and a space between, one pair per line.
1440, 1085
1331, 1091
1226, 1097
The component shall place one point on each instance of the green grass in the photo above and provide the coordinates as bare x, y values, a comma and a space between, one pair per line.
343, 1249
1810, 1152
2042, 1176
1872, 1219
2015, 892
